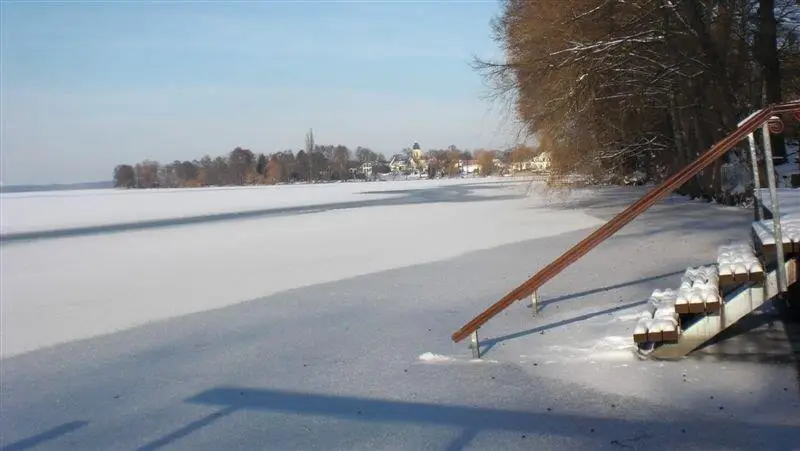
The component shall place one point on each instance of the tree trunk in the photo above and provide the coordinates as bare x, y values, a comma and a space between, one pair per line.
770, 67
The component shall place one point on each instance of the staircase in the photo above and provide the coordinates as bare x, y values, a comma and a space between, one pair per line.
713, 298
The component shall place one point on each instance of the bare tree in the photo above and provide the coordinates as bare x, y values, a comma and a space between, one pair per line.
147, 174
241, 164
124, 176
340, 159
485, 161
611, 88
310, 152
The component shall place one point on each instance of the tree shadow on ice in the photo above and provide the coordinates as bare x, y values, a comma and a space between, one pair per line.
470, 421
444, 194
46, 436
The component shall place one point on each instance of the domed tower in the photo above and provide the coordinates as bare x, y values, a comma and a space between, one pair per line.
416, 151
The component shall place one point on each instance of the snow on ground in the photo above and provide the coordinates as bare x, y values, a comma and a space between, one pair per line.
788, 201
357, 354
58, 290
790, 167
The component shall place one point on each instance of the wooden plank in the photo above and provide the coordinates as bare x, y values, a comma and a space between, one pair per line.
726, 279
696, 304
670, 334
757, 275
641, 329
655, 336
640, 337
682, 306
713, 303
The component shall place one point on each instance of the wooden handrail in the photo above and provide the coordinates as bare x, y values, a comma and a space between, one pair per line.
749, 125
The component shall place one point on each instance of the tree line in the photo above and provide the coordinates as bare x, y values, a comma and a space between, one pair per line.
242, 166
314, 163
613, 87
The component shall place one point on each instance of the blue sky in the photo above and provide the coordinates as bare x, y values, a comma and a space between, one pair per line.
88, 85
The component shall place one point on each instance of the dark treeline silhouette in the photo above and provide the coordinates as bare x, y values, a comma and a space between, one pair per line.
326, 163
314, 163
614, 88
244, 167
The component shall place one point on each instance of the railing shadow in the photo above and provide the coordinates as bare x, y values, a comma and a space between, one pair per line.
474, 420
45, 436
490, 343
547, 302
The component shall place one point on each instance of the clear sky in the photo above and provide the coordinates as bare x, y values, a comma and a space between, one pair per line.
89, 85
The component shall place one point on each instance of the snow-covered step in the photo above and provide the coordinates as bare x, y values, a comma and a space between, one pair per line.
658, 322
699, 291
738, 303
764, 236
738, 263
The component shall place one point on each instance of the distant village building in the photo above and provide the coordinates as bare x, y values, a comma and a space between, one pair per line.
412, 163
539, 163
416, 151
399, 163
467, 167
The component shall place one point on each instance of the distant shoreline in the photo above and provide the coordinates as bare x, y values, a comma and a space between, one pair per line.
56, 187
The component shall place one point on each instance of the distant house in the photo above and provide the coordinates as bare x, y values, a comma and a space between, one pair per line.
409, 164
468, 166
366, 168
541, 162
399, 163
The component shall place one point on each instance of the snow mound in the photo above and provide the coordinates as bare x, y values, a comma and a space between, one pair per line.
613, 349
629, 317
737, 258
431, 357
790, 230
698, 285
607, 349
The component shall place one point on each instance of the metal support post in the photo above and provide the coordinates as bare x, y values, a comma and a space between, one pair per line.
475, 345
759, 203
535, 302
776, 214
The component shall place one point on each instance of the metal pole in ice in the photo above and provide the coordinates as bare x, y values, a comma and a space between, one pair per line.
759, 203
535, 302
475, 345
776, 214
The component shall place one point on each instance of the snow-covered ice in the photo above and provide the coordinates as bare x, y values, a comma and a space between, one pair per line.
329, 329
57, 210
64, 289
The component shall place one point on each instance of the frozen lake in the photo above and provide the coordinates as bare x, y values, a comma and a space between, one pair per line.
318, 317
61, 289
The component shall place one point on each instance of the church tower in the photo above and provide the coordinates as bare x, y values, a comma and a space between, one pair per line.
416, 151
